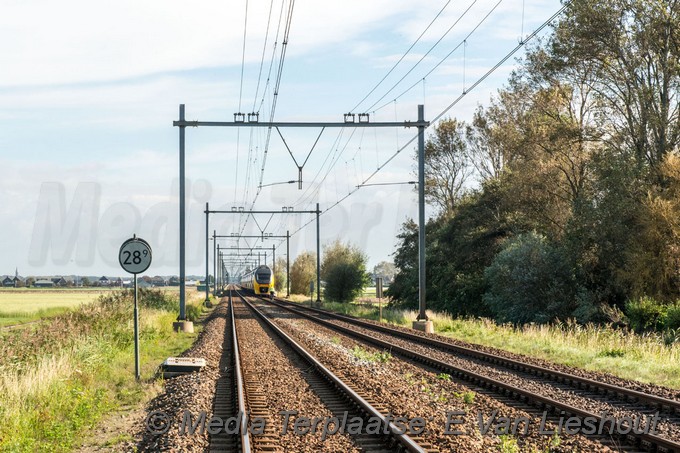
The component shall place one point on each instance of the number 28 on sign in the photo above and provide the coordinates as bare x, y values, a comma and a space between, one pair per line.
135, 255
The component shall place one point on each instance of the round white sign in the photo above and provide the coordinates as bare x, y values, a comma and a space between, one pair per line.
135, 255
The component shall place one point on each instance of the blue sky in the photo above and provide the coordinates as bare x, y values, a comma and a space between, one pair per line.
89, 90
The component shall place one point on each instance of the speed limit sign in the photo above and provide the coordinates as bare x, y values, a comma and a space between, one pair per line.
135, 255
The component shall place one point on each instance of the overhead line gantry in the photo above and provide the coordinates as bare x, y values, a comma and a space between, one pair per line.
240, 210
264, 236
350, 120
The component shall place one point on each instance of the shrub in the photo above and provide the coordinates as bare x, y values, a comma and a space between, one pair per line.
344, 270
194, 312
646, 314
672, 321
530, 281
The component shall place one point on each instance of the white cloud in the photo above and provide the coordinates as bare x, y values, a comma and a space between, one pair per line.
78, 40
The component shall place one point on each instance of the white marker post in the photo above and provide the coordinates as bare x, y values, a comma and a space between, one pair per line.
135, 257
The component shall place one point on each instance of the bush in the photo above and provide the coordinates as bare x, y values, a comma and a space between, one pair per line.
646, 314
155, 298
344, 270
194, 312
672, 321
345, 282
530, 281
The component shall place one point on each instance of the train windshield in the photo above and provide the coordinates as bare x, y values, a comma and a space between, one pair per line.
263, 276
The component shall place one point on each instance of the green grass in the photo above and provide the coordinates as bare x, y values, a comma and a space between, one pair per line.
27, 304
362, 354
58, 382
646, 358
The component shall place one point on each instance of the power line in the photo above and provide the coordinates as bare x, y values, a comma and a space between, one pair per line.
273, 106
402, 57
264, 50
426, 54
303, 196
462, 43
240, 96
449, 107
400, 80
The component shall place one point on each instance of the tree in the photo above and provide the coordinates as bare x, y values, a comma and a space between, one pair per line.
485, 144
302, 272
447, 166
403, 292
386, 270
344, 271
634, 47
653, 265
86, 281
280, 275
577, 160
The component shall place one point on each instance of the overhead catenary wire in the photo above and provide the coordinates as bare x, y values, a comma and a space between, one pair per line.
481, 79
312, 184
240, 95
443, 112
422, 58
276, 88
446, 57
405, 54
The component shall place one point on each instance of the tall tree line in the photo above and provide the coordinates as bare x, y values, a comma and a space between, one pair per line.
561, 197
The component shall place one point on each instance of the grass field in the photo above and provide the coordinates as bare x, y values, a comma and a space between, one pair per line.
23, 305
57, 382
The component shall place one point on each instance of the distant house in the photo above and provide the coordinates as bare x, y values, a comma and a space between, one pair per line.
141, 283
174, 281
158, 281
117, 282
44, 284
104, 281
59, 281
12, 282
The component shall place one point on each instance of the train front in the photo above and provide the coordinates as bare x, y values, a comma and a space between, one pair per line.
263, 280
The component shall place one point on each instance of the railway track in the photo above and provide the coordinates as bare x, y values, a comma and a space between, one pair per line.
229, 399
417, 350
340, 398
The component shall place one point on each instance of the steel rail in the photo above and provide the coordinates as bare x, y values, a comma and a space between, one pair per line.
661, 443
240, 387
571, 379
406, 441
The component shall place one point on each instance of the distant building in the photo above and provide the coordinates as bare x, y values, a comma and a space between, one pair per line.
59, 281
104, 281
44, 284
158, 281
12, 282
174, 281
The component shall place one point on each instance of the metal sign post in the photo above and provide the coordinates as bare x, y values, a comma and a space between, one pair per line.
379, 294
134, 257
311, 292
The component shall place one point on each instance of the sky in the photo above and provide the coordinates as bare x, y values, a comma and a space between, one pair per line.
89, 91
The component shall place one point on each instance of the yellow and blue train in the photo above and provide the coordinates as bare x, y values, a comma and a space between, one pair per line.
259, 281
